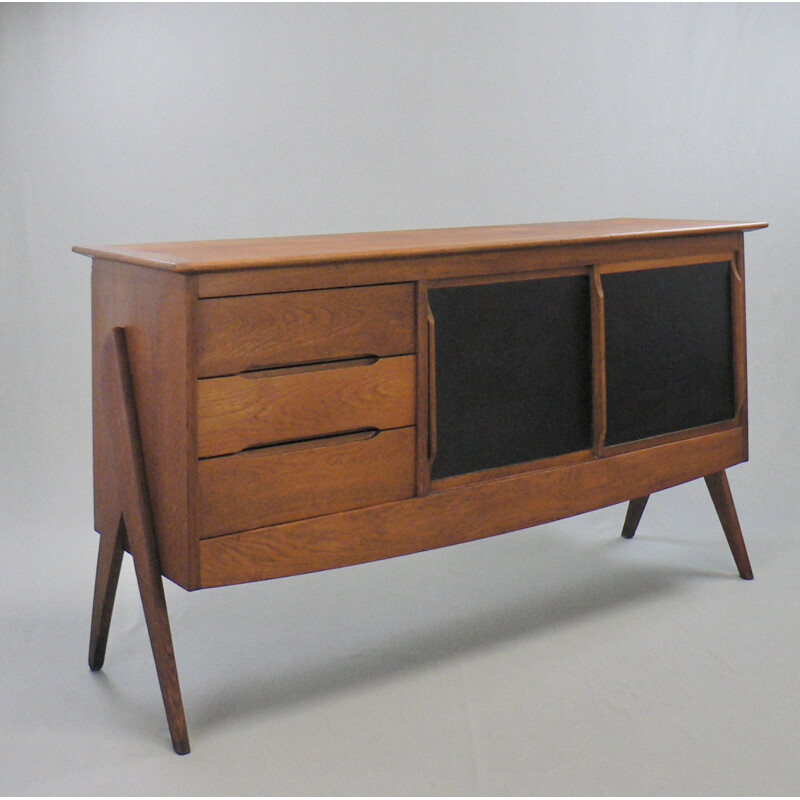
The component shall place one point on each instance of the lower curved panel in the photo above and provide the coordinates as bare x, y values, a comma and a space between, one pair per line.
462, 514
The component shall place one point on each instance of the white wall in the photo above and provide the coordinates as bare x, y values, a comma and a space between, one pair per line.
132, 123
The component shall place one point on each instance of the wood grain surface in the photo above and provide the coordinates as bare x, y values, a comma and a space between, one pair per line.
598, 364
261, 408
136, 530
500, 264
235, 334
720, 492
298, 250
272, 485
155, 309
462, 514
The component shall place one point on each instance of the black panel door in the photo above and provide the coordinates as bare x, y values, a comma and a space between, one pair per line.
513, 372
669, 350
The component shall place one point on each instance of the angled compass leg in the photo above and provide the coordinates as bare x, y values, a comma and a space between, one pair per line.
633, 515
720, 493
135, 529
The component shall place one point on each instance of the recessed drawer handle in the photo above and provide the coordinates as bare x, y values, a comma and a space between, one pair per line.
316, 366
433, 439
305, 444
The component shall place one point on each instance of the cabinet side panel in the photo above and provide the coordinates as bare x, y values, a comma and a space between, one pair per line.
152, 306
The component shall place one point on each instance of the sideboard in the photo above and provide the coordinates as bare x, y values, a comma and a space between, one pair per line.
271, 407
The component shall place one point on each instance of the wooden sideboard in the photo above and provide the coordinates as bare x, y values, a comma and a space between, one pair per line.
271, 407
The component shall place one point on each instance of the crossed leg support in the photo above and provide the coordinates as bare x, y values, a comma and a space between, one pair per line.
134, 532
720, 492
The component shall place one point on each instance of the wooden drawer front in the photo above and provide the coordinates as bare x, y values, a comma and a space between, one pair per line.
308, 479
255, 409
236, 334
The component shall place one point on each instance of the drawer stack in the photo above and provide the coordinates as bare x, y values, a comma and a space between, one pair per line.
305, 404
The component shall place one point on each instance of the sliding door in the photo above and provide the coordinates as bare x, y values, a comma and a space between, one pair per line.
513, 372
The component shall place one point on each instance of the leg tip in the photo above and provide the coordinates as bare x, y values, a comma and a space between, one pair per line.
182, 748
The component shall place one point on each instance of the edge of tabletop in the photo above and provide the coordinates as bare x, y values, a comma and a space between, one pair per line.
412, 243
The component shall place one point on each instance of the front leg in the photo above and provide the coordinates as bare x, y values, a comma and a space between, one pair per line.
136, 528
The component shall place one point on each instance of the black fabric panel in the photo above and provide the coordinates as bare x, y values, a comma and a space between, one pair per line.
513, 372
669, 350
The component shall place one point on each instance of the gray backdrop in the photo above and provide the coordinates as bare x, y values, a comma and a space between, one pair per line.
549, 661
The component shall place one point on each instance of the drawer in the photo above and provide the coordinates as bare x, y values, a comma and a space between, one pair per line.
236, 334
304, 479
259, 408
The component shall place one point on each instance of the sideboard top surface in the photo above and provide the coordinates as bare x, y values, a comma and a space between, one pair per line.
234, 254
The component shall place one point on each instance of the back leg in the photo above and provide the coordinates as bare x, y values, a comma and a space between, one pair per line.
634, 514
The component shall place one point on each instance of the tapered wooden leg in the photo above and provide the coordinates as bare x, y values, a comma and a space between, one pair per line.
723, 502
136, 530
151, 588
109, 561
633, 515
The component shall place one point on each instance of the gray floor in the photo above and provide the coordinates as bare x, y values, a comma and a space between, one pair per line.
560, 660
